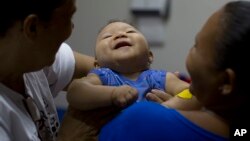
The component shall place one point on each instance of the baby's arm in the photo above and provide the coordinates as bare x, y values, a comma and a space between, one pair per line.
88, 93
174, 85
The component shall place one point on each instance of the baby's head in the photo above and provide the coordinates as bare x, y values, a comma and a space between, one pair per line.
122, 48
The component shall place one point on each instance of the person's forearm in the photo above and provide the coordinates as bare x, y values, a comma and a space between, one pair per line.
85, 96
83, 64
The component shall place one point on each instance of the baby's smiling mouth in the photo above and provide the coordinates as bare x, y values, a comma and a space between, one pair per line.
122, 44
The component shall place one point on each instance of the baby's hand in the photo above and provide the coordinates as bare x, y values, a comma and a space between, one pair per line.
123, 96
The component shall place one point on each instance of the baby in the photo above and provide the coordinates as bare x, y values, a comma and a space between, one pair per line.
122, 76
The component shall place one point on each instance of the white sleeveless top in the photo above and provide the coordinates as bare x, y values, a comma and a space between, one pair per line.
16, 123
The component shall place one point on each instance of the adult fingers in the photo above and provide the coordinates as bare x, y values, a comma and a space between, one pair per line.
158, 96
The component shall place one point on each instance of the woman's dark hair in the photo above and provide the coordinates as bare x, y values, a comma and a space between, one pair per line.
233, 41
14, 10
232, 51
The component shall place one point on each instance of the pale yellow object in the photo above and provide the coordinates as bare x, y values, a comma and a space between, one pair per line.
185, 94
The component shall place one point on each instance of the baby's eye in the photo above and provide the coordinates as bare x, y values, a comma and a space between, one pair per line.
131, 31
106, 36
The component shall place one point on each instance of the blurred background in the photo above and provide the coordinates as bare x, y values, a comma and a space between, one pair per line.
175, 28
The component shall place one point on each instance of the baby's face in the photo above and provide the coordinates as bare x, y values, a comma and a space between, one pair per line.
120, 44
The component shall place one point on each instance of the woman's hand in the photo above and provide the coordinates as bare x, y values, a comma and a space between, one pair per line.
158, 96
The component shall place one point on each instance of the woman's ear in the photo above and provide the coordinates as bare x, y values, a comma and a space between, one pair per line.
30, 25
228, 85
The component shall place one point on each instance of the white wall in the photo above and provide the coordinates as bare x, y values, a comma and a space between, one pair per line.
185, 20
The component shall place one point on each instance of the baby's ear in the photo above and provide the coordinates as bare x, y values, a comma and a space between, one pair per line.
96, 64
151, 56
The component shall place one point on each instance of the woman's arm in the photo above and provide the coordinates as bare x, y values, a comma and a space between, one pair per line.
83, 64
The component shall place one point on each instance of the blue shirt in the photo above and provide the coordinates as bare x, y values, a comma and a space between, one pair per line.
148, 121
148, 80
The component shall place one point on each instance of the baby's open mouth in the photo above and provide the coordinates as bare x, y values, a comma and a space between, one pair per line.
122, 44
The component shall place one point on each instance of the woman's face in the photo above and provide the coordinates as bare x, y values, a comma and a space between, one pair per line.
51, 34
201, 64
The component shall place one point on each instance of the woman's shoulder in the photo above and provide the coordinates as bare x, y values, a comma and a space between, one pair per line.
208, 121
